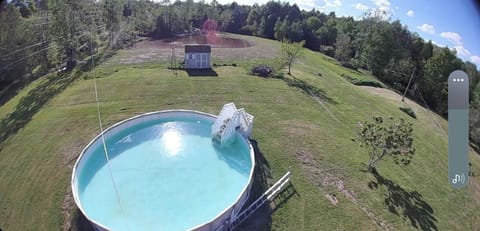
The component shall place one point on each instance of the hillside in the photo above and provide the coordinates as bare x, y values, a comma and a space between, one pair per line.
46, 125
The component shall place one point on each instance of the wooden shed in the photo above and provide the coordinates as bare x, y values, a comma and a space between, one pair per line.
197, 57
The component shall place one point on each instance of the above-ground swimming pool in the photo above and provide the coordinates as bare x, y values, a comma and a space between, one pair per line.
168, 174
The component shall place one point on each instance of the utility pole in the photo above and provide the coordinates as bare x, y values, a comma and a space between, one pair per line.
173, 61
409, 82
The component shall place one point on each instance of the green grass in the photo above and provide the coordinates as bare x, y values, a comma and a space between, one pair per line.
358, 82
36, 159
408, 111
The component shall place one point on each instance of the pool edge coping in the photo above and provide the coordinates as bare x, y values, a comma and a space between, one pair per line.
99, 136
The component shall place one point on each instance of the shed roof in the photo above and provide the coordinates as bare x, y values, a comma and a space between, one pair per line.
198, 48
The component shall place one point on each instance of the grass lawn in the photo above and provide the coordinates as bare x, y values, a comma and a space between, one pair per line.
313, 133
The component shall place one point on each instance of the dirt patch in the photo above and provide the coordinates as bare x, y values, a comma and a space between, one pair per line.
297, 128
332, 198
385, 93
217, 41
69, 209
228, 49
68, 206
474, 187
321, 178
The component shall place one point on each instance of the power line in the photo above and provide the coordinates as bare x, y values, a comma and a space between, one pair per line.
43, 23
25, 57
21, 49
431, 113
37, 52
103, 136
37, 18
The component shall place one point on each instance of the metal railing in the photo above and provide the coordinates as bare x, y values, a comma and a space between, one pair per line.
268, 195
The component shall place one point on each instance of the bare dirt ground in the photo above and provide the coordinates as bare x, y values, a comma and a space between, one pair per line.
322, 179
226, 47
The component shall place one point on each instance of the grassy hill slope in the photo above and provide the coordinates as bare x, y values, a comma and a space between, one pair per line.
314, 134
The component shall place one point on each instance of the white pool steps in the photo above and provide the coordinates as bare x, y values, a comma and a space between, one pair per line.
229, 121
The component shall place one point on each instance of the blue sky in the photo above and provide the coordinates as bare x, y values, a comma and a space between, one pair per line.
452, 23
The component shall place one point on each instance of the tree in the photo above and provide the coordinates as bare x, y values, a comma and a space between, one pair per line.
434, 82
343, 49
427, 50
377, 49
474, 117
67, 21
313, 23
294, 32
14, 35
473, 76
290, 53
280, 29
327, 32
25, 11
113, 12
387, 138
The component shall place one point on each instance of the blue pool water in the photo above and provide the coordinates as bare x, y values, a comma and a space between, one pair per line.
169, 175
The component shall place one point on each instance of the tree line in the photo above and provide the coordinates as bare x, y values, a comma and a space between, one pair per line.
39, 35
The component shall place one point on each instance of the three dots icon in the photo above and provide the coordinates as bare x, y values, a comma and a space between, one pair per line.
458, 80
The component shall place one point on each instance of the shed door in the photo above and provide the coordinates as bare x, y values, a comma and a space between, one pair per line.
204, 63
198, 61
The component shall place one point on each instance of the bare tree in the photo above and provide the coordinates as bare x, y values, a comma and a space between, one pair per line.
290, 53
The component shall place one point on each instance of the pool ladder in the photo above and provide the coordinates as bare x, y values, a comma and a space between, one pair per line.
268, 195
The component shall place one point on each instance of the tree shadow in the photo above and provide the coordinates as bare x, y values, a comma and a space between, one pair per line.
261, 220
13, 89
409, 205
80, 222
307, 88
30, 104
201, 73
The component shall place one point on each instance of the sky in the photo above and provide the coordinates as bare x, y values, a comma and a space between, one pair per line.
451, 23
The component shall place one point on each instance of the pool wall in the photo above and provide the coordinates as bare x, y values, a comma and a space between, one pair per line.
220, 222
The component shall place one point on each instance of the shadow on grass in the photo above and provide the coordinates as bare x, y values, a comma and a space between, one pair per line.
281, 199
30, 104
80, 222
261, 219
201, 73
307, 88
409, 205
11, 92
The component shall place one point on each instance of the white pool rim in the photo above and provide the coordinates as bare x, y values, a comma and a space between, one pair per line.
216, 222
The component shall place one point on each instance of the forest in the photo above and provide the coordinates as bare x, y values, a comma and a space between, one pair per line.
41, 36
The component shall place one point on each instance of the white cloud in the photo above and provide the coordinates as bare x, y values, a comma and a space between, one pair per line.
383, 5
360, 6
306, 4
302, 4
462, 51
427, 28
411, 13
453, 37
330, 3
475, 59
438, 44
